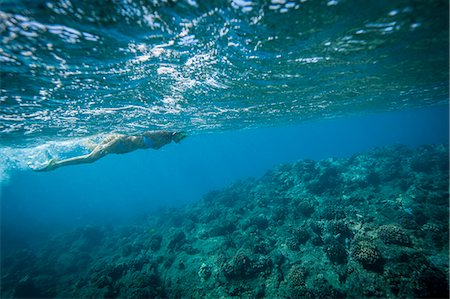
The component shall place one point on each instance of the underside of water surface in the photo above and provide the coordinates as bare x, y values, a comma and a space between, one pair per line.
80, 68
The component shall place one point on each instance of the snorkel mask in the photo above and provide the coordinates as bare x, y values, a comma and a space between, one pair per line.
178, 136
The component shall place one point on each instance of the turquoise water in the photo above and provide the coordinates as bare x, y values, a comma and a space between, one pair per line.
252, 83
89, 67
82, 69
119, 187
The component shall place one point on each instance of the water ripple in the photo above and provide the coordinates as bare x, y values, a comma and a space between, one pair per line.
78, 68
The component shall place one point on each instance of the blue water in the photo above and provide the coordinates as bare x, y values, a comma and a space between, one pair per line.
120, 188
74, 70
253, 83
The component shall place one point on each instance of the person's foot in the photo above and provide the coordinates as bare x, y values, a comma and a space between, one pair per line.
49, 166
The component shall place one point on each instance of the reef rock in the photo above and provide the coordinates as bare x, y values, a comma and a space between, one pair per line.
372, 225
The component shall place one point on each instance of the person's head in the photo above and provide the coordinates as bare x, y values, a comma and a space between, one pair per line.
178, 136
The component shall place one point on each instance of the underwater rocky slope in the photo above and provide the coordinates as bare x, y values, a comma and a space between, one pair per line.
372, 225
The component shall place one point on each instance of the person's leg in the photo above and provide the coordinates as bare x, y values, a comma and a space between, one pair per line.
105, 147
89, 144
98, 152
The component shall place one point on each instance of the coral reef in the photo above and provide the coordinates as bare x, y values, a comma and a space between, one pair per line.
296, 281
392, 234
372, 225
367, 254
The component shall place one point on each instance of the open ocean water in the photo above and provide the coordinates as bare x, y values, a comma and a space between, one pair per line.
316, 162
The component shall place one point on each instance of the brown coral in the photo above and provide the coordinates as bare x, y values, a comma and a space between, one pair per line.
367, 255
392, 234
296, 278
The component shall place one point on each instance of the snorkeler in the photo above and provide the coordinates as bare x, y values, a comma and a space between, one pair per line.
119, 144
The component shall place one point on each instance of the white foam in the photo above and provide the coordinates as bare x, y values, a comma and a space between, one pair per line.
165, 70
241, 3
15, 158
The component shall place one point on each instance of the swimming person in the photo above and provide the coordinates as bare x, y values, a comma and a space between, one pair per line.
119, 144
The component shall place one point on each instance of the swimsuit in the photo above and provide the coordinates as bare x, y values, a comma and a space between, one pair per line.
148, 142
